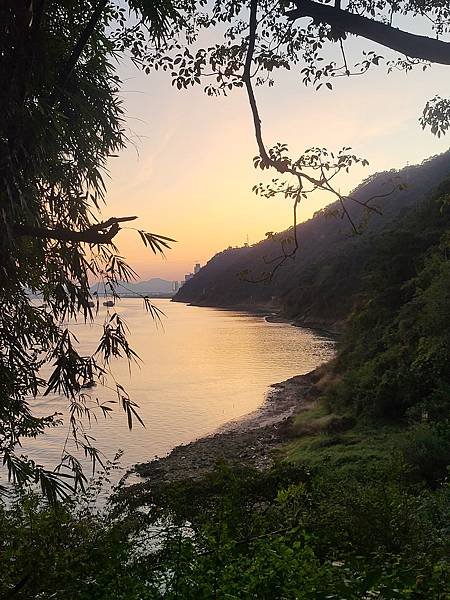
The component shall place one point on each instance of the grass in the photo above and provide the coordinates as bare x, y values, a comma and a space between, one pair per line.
310, 413
324, 438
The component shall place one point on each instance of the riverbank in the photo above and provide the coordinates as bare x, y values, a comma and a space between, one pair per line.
250, 441
325, 326
273, 313
294, 424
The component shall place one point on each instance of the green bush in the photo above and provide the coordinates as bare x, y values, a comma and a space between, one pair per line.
426, 451
236, 534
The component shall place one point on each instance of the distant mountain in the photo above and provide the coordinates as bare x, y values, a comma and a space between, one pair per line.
320, 284
139, 288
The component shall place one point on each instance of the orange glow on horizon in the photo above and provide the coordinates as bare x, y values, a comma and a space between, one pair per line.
188, 173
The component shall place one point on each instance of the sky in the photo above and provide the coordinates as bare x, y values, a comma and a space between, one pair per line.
188, 171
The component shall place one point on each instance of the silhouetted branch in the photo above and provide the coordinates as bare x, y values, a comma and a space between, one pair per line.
281, 259
78, 48
100, 233
285, 166
247, 78
412, 45
267, 161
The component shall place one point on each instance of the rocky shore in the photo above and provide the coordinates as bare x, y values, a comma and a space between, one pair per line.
250, 441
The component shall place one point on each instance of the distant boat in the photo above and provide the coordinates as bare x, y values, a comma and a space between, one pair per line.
91, 304
108, 303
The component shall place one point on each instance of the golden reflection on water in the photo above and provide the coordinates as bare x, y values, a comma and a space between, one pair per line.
203, 368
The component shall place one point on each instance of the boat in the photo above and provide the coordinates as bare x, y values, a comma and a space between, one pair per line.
108, 303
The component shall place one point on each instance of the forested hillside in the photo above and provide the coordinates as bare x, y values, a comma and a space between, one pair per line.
319, 286
356, 505
395, 354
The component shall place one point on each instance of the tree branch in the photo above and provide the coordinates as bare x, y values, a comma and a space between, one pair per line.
414, 46
269, 159
78, 48
280, 166
101, 233
247, 78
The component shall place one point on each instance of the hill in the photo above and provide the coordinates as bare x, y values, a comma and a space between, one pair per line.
155, 285
317, 287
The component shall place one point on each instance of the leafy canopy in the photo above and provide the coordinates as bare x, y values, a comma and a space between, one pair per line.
62, 120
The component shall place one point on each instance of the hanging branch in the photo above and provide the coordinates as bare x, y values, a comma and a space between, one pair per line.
273, 158
266, 160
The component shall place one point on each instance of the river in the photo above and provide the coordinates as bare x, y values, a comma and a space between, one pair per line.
201, 369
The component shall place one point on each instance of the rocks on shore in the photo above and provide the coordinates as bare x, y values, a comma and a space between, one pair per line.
250, 441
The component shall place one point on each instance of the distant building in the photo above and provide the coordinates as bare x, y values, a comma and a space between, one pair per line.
188, 276
197, 268
175, 286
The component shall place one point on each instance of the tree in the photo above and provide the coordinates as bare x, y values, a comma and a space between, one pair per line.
61, 121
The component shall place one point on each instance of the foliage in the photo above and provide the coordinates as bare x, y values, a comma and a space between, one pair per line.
282, 43
394, 356
64, 550
237, 533
436, 115
62, 120
426, 450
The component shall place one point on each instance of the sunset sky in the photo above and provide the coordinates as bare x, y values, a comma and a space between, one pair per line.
188, 173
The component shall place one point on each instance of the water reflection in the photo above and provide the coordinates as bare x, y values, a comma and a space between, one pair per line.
202, 369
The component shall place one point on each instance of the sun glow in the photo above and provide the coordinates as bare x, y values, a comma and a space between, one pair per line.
188, 170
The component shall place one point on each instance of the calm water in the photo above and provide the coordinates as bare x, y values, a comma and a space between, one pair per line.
204, 368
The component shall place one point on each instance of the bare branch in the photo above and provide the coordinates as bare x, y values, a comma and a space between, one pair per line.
267, 161
247, 78
274, 158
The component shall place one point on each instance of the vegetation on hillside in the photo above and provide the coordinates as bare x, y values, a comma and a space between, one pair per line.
356, 507
323, 280
395, 354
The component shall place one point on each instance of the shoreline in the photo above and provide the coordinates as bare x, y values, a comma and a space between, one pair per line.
273, 314
249, 441
332, 329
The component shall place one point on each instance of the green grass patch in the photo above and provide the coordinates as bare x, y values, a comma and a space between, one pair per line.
360, 447
316, 418
312, 413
